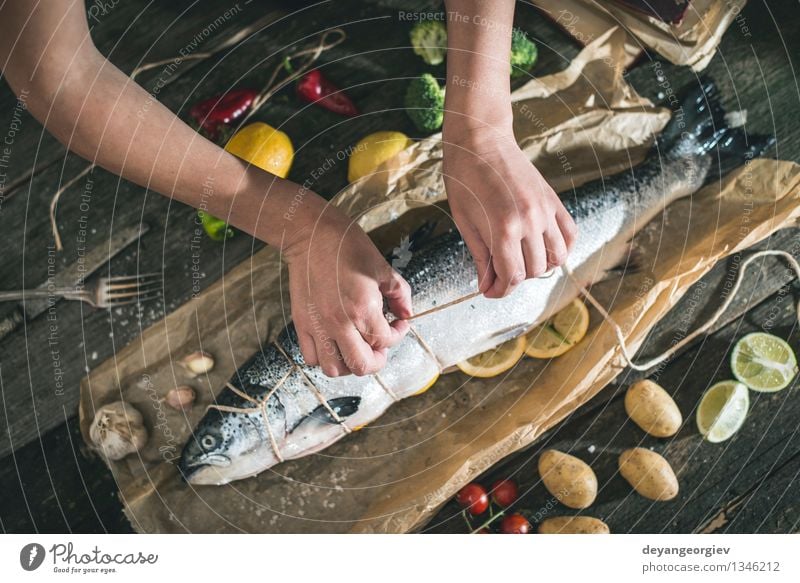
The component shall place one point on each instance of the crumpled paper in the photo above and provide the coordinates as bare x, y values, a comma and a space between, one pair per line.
392, 475
692, 43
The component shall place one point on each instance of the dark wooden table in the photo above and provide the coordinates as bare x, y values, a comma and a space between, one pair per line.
52, 484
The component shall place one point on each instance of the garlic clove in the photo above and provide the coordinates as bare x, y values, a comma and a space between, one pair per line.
197, 363
181, 398
118, 430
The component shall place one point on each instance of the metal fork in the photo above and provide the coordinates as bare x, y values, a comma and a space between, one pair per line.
106, 292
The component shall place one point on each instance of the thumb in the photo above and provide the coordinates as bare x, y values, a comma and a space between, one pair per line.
398, 295
482, 258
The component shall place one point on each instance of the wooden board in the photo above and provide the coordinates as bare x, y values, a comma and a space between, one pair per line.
747, 484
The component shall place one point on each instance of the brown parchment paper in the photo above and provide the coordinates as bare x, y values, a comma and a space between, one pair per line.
692, 42
393, 474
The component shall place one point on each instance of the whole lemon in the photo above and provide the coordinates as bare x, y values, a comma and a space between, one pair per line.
263, 146
374, 150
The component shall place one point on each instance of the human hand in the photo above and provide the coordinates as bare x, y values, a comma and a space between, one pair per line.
511, 220
337, 281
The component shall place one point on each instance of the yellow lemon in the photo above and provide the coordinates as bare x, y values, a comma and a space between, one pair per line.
374, 150
557, 335
427, 386
496, 361
263, 146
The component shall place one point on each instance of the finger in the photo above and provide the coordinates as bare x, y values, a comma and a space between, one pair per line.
535, 256
358, 355
307, 346
330, 359
556, 248
509, 265
398, 295
482, 258
568, 228
401, 326
377, 331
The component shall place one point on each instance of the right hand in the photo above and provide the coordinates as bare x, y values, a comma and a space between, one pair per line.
337, 281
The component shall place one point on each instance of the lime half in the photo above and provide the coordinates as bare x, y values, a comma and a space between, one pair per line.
764, 362
722, 410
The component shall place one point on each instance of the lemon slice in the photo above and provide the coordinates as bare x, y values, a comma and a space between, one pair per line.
764, 362
560, 333
427, 386
495, 361
722, 410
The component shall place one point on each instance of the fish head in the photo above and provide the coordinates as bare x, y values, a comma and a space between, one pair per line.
224, 447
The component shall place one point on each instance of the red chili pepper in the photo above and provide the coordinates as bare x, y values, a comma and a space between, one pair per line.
313, 87
211, 113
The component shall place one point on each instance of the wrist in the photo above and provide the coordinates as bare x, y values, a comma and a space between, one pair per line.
308, 216
476, 114
477, 135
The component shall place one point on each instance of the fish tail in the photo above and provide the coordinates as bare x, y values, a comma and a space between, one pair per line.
701, 126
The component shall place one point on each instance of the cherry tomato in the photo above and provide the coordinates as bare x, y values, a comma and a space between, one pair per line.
505, 492
484, 531
515, 524
473, 497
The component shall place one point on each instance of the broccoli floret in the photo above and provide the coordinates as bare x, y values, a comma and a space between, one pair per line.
523, 53
429, 39
425, 103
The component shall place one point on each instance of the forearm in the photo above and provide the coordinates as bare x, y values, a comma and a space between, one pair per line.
478, 85
100, 114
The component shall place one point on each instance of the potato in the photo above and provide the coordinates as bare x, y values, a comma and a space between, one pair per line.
652, 409
573, 525
648, 473
569, 479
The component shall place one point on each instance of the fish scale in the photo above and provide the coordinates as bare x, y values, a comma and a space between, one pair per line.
230, 445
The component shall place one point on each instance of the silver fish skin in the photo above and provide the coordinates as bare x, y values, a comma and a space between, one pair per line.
303, 411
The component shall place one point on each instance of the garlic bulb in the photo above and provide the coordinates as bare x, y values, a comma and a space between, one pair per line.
181, 398
197, 363
118, 430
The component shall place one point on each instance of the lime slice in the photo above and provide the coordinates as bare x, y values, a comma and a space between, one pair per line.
722, 410
764, 362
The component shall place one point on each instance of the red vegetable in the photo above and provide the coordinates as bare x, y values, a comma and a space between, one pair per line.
474, 498
214, 112
505, 492
313, 87
515, 524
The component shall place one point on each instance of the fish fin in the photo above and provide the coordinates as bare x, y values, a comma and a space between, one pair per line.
701, 124
736, 148
401, 255
343, 406
632, 262
422, 235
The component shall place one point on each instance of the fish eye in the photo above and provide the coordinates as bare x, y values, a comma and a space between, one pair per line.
208, 441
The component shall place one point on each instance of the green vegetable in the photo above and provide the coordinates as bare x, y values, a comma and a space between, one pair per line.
523, 53
425, 103
429, 39
215, 228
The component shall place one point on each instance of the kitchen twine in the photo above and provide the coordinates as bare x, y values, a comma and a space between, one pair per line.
261, 405
644, 366
327, 40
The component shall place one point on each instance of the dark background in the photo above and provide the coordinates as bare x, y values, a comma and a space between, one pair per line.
52, 484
